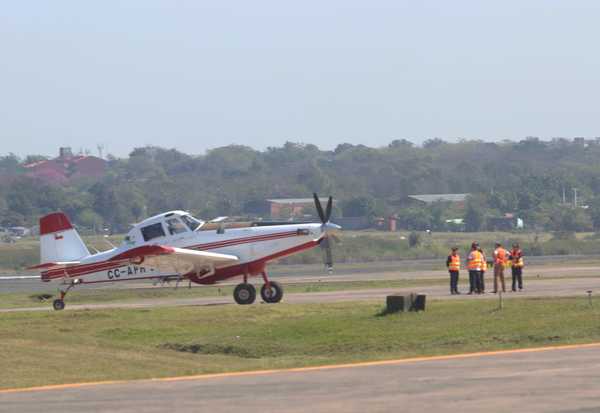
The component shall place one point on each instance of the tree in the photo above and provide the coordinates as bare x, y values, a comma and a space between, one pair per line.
473, 217
359, 207
34, 158
9, 164
595, 213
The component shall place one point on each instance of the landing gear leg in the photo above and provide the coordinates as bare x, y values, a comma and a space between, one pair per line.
271, 291
59, 303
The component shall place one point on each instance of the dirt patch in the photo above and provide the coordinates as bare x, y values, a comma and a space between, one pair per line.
224, 349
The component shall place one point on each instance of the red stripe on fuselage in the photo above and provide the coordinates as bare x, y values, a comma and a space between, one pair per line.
83, 269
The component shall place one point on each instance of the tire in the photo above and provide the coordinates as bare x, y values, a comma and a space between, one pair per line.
273, 294
58, 304
244, 294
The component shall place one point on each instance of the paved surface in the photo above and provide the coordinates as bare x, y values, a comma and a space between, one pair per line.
535, 288
563, 380
544, 266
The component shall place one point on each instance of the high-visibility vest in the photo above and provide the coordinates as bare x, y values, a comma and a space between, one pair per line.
475, 261
500, 256
517, 258
454, 263
483, 262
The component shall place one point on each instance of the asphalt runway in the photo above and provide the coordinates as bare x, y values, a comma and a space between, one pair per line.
537, 287
574, 281
543, 266
559, 380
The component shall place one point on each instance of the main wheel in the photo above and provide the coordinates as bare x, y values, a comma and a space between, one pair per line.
58, 304
273, 294
244, 294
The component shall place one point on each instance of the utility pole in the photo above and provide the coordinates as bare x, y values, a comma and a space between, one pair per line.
575, 197
564, 196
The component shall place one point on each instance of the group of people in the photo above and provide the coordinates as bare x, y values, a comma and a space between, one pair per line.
477, 266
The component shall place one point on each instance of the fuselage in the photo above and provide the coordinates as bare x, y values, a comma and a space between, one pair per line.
254, 246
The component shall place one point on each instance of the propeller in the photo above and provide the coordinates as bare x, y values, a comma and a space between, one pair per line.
327, 228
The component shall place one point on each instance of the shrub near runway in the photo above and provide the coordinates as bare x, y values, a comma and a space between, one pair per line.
79, 346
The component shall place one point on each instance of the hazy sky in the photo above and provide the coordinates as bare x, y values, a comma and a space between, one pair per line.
196, 75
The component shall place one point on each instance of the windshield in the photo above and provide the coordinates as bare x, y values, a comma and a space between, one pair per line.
191, 222
175, 226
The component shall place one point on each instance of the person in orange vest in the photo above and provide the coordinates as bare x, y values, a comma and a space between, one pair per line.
474, 264
453, 264
500, 259
483, 270
516, 258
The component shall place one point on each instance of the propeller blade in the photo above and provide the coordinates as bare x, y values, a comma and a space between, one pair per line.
328, 258
319, 208
329, 209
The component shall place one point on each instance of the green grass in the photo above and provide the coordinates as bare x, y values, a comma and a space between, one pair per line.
74, 346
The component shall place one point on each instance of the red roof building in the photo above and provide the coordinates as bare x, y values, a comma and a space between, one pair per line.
66, 167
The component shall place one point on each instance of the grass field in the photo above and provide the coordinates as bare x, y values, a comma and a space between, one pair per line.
76, 346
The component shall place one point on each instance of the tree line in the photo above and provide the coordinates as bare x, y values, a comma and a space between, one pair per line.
527, 178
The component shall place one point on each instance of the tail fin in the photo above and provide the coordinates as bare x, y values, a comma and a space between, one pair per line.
59, 241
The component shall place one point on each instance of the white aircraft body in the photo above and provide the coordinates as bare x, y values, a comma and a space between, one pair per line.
175, 245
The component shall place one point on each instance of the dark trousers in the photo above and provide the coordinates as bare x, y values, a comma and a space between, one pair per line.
517, 278
453, 281
474, 281
481, 281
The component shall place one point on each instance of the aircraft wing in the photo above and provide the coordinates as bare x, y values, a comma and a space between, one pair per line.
180, 260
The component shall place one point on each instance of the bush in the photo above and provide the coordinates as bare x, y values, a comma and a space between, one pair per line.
414, 239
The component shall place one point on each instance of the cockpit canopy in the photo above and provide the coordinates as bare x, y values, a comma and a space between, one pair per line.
163, 226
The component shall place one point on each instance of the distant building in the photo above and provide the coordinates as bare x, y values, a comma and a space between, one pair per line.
66, 167
432, 198
294, 207
428, 199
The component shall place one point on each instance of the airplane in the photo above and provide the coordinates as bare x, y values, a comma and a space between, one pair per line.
174, 245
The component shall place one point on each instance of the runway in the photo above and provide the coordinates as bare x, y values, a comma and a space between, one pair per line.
534, 288
538, 267
559, 380
556, 380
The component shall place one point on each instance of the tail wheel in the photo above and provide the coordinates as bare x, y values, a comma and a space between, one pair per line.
244, 294
58, 304
273, 293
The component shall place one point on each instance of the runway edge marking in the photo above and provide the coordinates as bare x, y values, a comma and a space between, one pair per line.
303, 369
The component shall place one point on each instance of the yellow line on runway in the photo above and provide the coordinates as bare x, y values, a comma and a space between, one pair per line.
304, 369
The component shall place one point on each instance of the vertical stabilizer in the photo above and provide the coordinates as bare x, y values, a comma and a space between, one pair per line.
59, 242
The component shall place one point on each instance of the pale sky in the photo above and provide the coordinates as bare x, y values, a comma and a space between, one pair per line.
195, 75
